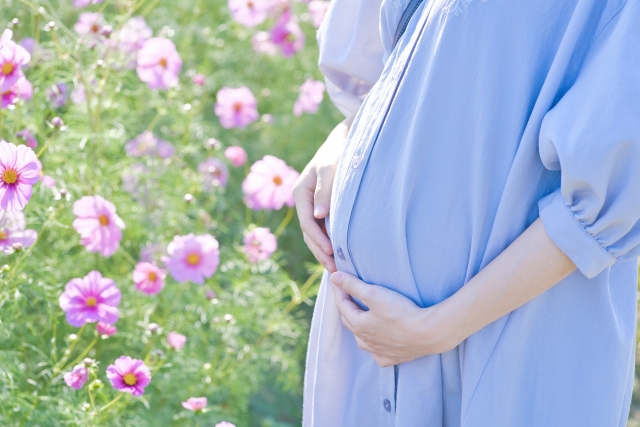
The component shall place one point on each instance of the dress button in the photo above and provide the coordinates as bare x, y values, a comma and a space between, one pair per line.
340, 254
356, 161
387, 405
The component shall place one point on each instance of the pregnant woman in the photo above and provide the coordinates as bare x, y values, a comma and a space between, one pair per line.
482, 206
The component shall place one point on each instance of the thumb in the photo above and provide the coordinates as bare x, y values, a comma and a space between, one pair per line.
352, 286
322, 195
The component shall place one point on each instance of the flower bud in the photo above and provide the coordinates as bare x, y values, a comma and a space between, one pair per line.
88, 361
17, 246
210, 295
188, 197
57, 122
153, 327
51, 25
228, 317
213, 143
15, 22
96, 385
73, 337
106, 31
63, 192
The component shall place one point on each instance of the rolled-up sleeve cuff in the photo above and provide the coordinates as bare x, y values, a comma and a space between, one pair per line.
568, 233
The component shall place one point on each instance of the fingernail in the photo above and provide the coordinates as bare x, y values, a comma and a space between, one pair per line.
336, 278
319, 210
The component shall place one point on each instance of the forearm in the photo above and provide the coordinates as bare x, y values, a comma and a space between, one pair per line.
527, 268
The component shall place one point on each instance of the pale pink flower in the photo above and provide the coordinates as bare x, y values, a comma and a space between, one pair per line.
28, 138
48, 181
12, 58
236, 108
317, 10
195, 404
249, 12
99, 226
90, 25
79, 95
236, 155
269, 184
78, 4
18, 173
152, 252
149, 144
91, 299
149, 278
159, 63
106, 329
176, 340
77, 377
13, 230
192, 258
287, 34
130, 39
129, 375
225, 424
310, 97
214, 173
262, 44
22, 89
30, 44
259, 244
57, 95
199, 79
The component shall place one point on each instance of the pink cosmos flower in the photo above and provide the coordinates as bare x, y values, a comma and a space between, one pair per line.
199, 79
176, 340
91, 299
249, 12
48, 181
159, 63
79, 95
28, 138
192, 258
99, 226
225, 424
78, 4
236, 155
152, 252
129, 375
106, 329
195, 404
57, 95
130, 39
269, 184
18, 173
310, 97
262, 44
12, 58
149, 278
236, 108
90, 26
287, 34
30, 44
77, 377
22, 89
317, 10
259, 244
214, 173
13, 230
148, 143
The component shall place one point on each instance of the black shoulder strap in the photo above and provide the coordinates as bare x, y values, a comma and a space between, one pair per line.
404, 20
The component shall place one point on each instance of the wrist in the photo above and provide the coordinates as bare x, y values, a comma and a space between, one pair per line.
441, 327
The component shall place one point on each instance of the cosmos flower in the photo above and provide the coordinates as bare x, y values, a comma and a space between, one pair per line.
57, 95
99, 226
269, 184
236, 155
130, 38
13, 230
149, 144
18, 173
317, 10
106, 329
90, 26
149, 278
91, 299
176, 340
262, 44
236, 108
12, 58
214, 173
77, 377
79, 4
287, 34
199, 79
249, 12
129, 375
195, 404
259, 244
159, 63
28, 138
225, 424
310, 97
192, 258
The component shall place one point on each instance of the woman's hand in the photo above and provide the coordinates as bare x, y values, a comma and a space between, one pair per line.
312, 193
394, 330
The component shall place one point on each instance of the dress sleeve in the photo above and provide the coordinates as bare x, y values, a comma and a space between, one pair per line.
592, 136
351, 51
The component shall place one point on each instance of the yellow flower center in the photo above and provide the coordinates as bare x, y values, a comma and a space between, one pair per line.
237, 107
152, 276
193, 259
277, 180
164, 62
95, 28
10, 176
250, 5
7, 68
92, 302
129, 379
103, 220
3, 234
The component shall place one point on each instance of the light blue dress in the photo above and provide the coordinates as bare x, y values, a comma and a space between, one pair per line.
487, 115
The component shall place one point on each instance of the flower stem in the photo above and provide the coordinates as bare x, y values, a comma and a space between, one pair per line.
284, 222
84, 352
113, 402
46, 145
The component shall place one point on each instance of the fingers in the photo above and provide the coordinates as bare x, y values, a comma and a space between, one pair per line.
349, 310
353, 286
327, 261
322, 194
303, 195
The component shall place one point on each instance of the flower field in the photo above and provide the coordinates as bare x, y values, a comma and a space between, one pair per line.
153, 271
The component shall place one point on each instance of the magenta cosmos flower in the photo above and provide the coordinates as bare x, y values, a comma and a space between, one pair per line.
236, 108
176, 340
311, 94
259, 244
287, 34
28, 138
148, 144
195, 404
199, 79
106, 329
22, 89
99, 226
79, 4
159, 64
129, 375
18, 173
317, 10
269, 184
249, 12
214, 173
91, 299
13, 230
77, 377
192, 258
236, 155
149, 278
12, 58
